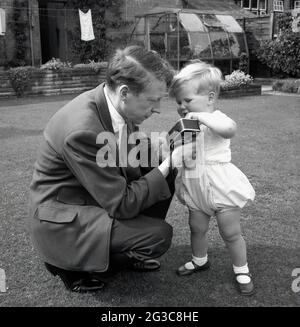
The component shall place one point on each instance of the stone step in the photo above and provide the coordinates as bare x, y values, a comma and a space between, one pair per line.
59, 91
63, 86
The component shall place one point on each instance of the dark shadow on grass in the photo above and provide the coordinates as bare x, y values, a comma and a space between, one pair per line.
271, 267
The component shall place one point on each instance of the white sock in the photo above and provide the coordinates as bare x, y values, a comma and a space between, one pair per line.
198, 261
242, 270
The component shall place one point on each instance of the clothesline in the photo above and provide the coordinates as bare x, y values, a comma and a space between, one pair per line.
17, 22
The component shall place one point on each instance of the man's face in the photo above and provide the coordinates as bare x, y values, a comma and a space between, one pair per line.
137, 108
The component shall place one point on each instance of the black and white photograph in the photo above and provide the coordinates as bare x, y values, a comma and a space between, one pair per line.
149, 157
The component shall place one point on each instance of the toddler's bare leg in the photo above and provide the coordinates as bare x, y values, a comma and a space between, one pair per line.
230, 230
199, 224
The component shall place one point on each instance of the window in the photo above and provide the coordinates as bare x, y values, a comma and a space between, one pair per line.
246, 4
254, 4
263, 4
278, 6
297, 4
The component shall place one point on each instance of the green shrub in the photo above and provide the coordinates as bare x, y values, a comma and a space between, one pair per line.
243, 62
283, 53
289, 86
95, 66
20, 79
235, 80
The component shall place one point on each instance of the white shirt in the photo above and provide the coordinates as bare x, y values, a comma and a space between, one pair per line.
117, 120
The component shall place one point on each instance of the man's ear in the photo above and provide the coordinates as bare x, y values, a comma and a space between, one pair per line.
123, 91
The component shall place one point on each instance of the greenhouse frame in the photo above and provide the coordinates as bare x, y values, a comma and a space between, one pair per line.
181, 35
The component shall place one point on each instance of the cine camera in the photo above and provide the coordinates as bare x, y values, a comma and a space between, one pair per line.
182, 128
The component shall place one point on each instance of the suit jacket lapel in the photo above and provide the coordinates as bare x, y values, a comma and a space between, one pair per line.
102, 108
105, 118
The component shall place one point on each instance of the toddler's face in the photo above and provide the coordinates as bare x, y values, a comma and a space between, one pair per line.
189, 100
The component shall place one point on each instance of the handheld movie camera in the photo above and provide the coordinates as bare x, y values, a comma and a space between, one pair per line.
182, 126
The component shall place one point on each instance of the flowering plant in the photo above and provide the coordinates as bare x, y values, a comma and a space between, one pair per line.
94, 65
236, 80
55, 64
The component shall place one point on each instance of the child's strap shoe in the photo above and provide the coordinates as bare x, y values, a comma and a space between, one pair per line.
246, 289
191, 267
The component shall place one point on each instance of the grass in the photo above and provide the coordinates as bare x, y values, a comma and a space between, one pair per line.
267, 150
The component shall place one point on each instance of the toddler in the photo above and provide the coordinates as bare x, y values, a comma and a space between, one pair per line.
215, 187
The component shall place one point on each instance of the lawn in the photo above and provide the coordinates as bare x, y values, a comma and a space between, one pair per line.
266, 148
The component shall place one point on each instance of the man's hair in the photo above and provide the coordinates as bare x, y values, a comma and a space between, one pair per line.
135, 67
209, 78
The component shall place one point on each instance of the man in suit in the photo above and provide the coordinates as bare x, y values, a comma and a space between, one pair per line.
88, 219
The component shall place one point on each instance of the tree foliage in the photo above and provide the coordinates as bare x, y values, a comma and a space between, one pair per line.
282, 54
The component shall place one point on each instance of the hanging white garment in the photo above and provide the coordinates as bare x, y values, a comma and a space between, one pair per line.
86, 26
2, 22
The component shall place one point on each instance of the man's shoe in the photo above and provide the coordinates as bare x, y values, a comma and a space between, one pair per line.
184, 271
146, 265
75, 281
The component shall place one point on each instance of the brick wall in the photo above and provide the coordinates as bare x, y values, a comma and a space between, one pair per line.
55, 82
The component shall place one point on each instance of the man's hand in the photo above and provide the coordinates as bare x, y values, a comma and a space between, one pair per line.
183, 154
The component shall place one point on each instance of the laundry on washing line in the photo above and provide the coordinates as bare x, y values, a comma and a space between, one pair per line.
86, 25
2, 22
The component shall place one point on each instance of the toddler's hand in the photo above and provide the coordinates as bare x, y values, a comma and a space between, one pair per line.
194, 115
182, 112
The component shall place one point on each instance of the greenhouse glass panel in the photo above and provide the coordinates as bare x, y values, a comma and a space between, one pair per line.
237, 44
229, 24
182, 34
198, 41
211, 22
158, 24
220, 45
191, 22
200, 45
157, 43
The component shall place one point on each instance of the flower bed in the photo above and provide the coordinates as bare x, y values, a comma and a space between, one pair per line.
249, 90
239, 84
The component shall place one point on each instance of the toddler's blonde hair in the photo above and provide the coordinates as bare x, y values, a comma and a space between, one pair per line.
209, 77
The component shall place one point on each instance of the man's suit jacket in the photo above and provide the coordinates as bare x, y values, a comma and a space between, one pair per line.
72, 200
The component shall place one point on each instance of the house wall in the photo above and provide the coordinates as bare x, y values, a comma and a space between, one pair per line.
288, 4
8, 43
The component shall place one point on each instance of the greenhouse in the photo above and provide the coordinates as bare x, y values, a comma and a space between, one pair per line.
180, 35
